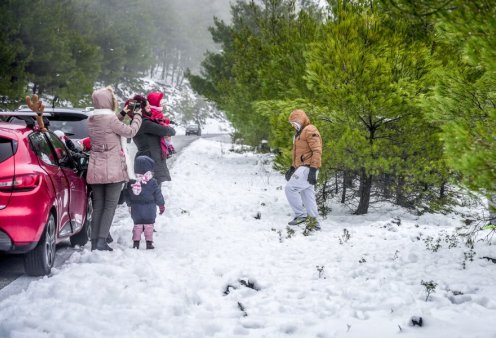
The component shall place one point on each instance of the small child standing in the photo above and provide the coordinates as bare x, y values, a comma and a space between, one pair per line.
143, 195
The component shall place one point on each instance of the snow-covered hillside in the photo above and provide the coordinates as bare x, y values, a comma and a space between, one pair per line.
213, 121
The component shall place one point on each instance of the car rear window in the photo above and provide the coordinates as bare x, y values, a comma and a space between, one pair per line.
73, 127
8, 148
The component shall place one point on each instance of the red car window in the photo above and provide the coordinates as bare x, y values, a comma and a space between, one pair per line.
64, 159
7, 148
42, 148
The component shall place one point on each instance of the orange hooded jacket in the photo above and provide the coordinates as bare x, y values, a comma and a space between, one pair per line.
307, 143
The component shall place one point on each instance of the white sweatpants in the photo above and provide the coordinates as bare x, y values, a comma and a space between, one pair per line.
301, 194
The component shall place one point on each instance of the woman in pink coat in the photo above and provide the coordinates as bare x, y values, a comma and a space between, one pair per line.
107, 168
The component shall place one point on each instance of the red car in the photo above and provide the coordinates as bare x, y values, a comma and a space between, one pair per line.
43, 196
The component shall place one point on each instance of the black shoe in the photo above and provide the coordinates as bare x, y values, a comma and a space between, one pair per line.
136, 244
109, 239
101, 245
93, 244
149, 245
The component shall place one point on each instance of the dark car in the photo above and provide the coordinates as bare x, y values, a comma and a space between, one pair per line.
44, 198
193, 129
72, 121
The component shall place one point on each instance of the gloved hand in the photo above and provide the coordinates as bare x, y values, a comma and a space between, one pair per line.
161, 209
289, 173
312, 176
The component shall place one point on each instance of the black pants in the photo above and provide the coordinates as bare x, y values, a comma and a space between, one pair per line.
105, 198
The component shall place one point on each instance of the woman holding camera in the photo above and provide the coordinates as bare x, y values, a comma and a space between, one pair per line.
107, 168
148, 140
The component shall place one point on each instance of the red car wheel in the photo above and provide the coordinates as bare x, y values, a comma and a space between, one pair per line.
39, 261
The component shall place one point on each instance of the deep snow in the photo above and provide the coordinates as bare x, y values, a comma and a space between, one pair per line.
209, 243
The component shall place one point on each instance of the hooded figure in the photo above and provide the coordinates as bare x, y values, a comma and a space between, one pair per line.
107, 167
302, 176
143, 195
155, 98
150, 138
307, 145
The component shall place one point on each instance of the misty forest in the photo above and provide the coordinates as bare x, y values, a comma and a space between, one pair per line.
402, 91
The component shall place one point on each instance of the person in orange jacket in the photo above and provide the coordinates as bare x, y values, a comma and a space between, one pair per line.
302, 175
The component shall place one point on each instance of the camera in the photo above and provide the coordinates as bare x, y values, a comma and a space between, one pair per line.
133, 105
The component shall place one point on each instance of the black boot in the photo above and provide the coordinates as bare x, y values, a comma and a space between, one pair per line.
93, 244
136, 244
109, 239
102, 245
149, 245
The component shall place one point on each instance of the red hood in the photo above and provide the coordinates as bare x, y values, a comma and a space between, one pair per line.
154, 98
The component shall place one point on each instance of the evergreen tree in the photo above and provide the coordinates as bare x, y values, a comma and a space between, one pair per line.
13, 58
464, 98
261, 59
369, 75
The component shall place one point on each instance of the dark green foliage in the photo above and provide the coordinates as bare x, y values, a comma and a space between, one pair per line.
463, 101
64, 48
262, 59
371, 74
359, 73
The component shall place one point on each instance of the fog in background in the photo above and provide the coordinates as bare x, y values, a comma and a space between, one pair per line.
190, 30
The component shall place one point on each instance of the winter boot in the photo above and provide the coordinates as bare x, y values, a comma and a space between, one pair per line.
136, 244
101, 245
93, 244
298, 220
109, 239
149, 245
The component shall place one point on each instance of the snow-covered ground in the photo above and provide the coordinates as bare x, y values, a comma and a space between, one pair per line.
218, 271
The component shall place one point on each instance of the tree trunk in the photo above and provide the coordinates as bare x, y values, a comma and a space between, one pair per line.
343, 192
364, 191
442, 190
388, 181
400, 196
347, 183
336, 181
164, 71
181, 78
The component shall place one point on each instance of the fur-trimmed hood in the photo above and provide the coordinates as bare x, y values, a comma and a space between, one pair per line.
300, 117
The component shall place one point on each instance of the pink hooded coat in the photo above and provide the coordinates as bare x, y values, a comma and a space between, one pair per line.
107, 163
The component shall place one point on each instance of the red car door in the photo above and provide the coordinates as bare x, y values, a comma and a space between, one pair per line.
77, 203
49, 162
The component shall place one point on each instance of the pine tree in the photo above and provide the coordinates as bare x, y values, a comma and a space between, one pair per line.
463, 101
369, 74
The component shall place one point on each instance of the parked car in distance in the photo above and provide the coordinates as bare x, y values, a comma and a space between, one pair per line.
44, 198
193, 129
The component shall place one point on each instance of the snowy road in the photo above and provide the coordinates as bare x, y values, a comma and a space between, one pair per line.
226, 265
12, 267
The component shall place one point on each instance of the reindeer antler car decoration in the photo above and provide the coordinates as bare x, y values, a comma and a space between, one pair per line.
37, 106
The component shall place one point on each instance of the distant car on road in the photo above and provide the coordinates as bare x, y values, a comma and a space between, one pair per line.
193, 129
43, 193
